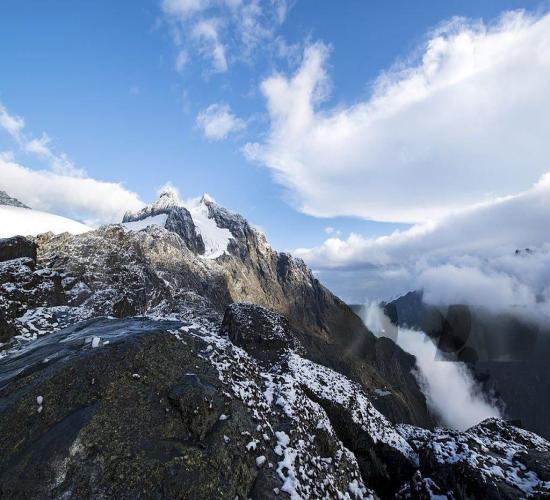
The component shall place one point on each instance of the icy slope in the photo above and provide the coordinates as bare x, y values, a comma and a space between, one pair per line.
26, 222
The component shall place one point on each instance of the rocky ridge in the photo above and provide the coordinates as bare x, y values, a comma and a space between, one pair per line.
176, 354
142, 408
6, 199
141, 267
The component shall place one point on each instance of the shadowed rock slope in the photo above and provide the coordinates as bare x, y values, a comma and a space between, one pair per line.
204, 408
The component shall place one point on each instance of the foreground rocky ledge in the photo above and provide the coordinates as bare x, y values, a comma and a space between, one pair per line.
133, 364
206, 407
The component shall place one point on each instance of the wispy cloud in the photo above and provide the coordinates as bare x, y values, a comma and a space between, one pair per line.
62, 188
222, 31
12, 124
38, 146
217, 122
206, 33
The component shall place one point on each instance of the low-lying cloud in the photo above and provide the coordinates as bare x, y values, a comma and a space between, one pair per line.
494, 255
83, 198
451, 391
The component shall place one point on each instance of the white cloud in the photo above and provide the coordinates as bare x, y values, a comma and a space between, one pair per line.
81, 198
12, 124
59, 162
331, 230
184, 8
463, 122
450, 389
181, 60
217, 122
40, 147
223, 31
467, 257
206, 32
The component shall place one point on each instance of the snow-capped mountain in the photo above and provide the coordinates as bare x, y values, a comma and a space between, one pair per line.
191, 220
177, 355
18, 219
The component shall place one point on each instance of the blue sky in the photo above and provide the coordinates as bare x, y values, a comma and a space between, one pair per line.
100, 79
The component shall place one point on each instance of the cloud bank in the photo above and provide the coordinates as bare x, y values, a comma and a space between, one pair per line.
463, 121
476, 256
82, 198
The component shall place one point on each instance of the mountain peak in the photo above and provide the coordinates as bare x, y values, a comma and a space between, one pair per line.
6, 199
206, 198
168, 198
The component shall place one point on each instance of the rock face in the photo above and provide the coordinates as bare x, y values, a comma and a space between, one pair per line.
27, 295
16, 248
6, 199
144, 267
177, 219
491, 460
260, 332
142, 408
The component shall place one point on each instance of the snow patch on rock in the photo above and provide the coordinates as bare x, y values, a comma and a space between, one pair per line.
138, 225
215, 238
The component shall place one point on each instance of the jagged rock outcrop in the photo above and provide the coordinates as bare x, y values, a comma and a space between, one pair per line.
6, 199
17, 248
260, 332
168, 212
489, 460
28, 296
173, 408
145, 267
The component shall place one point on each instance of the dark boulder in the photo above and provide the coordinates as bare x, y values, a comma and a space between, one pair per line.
198, 403
124, 308
262, 333
16, 248
114, 421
